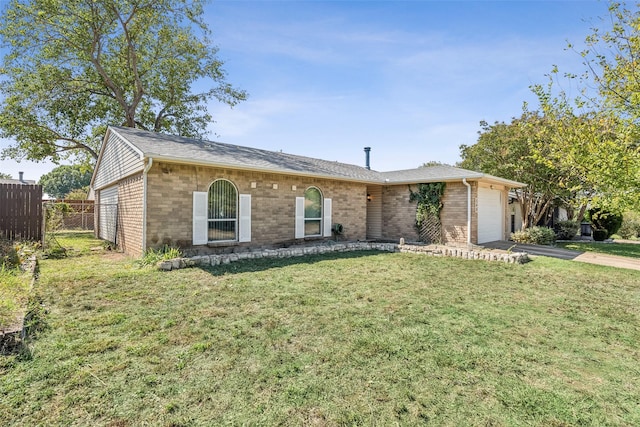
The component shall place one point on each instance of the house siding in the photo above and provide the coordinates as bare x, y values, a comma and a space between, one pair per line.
130, 215
119, 160
169, 204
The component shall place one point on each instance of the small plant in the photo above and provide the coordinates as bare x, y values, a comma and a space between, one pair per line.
566, 230
604, 220
535, 235
153, 256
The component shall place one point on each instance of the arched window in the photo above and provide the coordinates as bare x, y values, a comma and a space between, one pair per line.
312, 212
222, 211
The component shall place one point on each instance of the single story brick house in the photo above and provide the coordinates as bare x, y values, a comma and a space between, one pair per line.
153, 189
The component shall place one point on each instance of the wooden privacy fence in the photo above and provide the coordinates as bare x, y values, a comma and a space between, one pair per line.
21, 211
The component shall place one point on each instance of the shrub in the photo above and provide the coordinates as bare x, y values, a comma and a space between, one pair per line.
152, 257
566, 230
604, 220
600, 234
630, 228
535, 235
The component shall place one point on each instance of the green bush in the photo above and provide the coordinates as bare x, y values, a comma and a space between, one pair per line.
600, 234
152, 257
604, 220
566, 230
535, 235
630, 228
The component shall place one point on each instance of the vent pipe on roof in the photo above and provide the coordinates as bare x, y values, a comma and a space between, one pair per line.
20, 176
367, 151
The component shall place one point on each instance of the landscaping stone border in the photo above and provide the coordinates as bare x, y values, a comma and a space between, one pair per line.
297, 251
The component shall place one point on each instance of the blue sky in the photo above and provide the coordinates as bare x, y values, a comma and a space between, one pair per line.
410, 79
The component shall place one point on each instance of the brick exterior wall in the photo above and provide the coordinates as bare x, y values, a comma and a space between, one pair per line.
454, 213
398, 214
130, 215
170, 205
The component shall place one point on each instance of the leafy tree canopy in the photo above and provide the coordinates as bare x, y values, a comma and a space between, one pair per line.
76, 66
5, 175
519, 151
64, 179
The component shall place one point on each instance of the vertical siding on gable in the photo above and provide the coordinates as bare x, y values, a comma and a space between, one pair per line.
118, 161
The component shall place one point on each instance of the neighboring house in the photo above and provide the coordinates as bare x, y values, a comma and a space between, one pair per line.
20, 180
153, 189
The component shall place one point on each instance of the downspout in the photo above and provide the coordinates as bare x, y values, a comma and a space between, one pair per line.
464, 181
144, 204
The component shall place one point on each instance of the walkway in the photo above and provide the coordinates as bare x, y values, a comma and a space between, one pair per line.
567, 254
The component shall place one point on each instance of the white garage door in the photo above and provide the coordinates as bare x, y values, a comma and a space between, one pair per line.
490, 215
108, 213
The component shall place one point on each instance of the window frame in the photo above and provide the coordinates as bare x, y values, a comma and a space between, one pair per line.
235, 221
320, 219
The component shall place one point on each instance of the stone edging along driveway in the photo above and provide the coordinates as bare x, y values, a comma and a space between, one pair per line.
429, 250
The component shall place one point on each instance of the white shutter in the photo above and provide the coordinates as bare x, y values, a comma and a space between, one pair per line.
327, 217
244, 234
299, 218
200, 218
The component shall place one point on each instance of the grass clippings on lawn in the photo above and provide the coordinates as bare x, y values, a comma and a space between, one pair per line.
350, 339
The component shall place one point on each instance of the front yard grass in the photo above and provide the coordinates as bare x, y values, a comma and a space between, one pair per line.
631, 250
361, 338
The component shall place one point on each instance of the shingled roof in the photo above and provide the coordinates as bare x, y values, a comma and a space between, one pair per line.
194, 151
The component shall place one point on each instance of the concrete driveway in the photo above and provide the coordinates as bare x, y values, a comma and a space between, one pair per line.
561, 253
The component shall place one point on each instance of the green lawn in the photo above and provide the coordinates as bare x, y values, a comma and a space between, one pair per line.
352, 339
622, 249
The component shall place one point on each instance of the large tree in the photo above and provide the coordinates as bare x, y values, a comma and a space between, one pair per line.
595, 148
520, 151
75, 66
64, 179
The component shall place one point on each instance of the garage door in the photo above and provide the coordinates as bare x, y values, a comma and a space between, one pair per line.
108, 213
490, 215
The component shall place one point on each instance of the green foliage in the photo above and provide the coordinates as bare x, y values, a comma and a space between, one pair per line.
8, 255
566, 230
630, 228
14, 282
5, 175
604, 220
153, 256
78, 194
535, 235
64, 179
75, 66
520, 151
429, 200
599, 234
